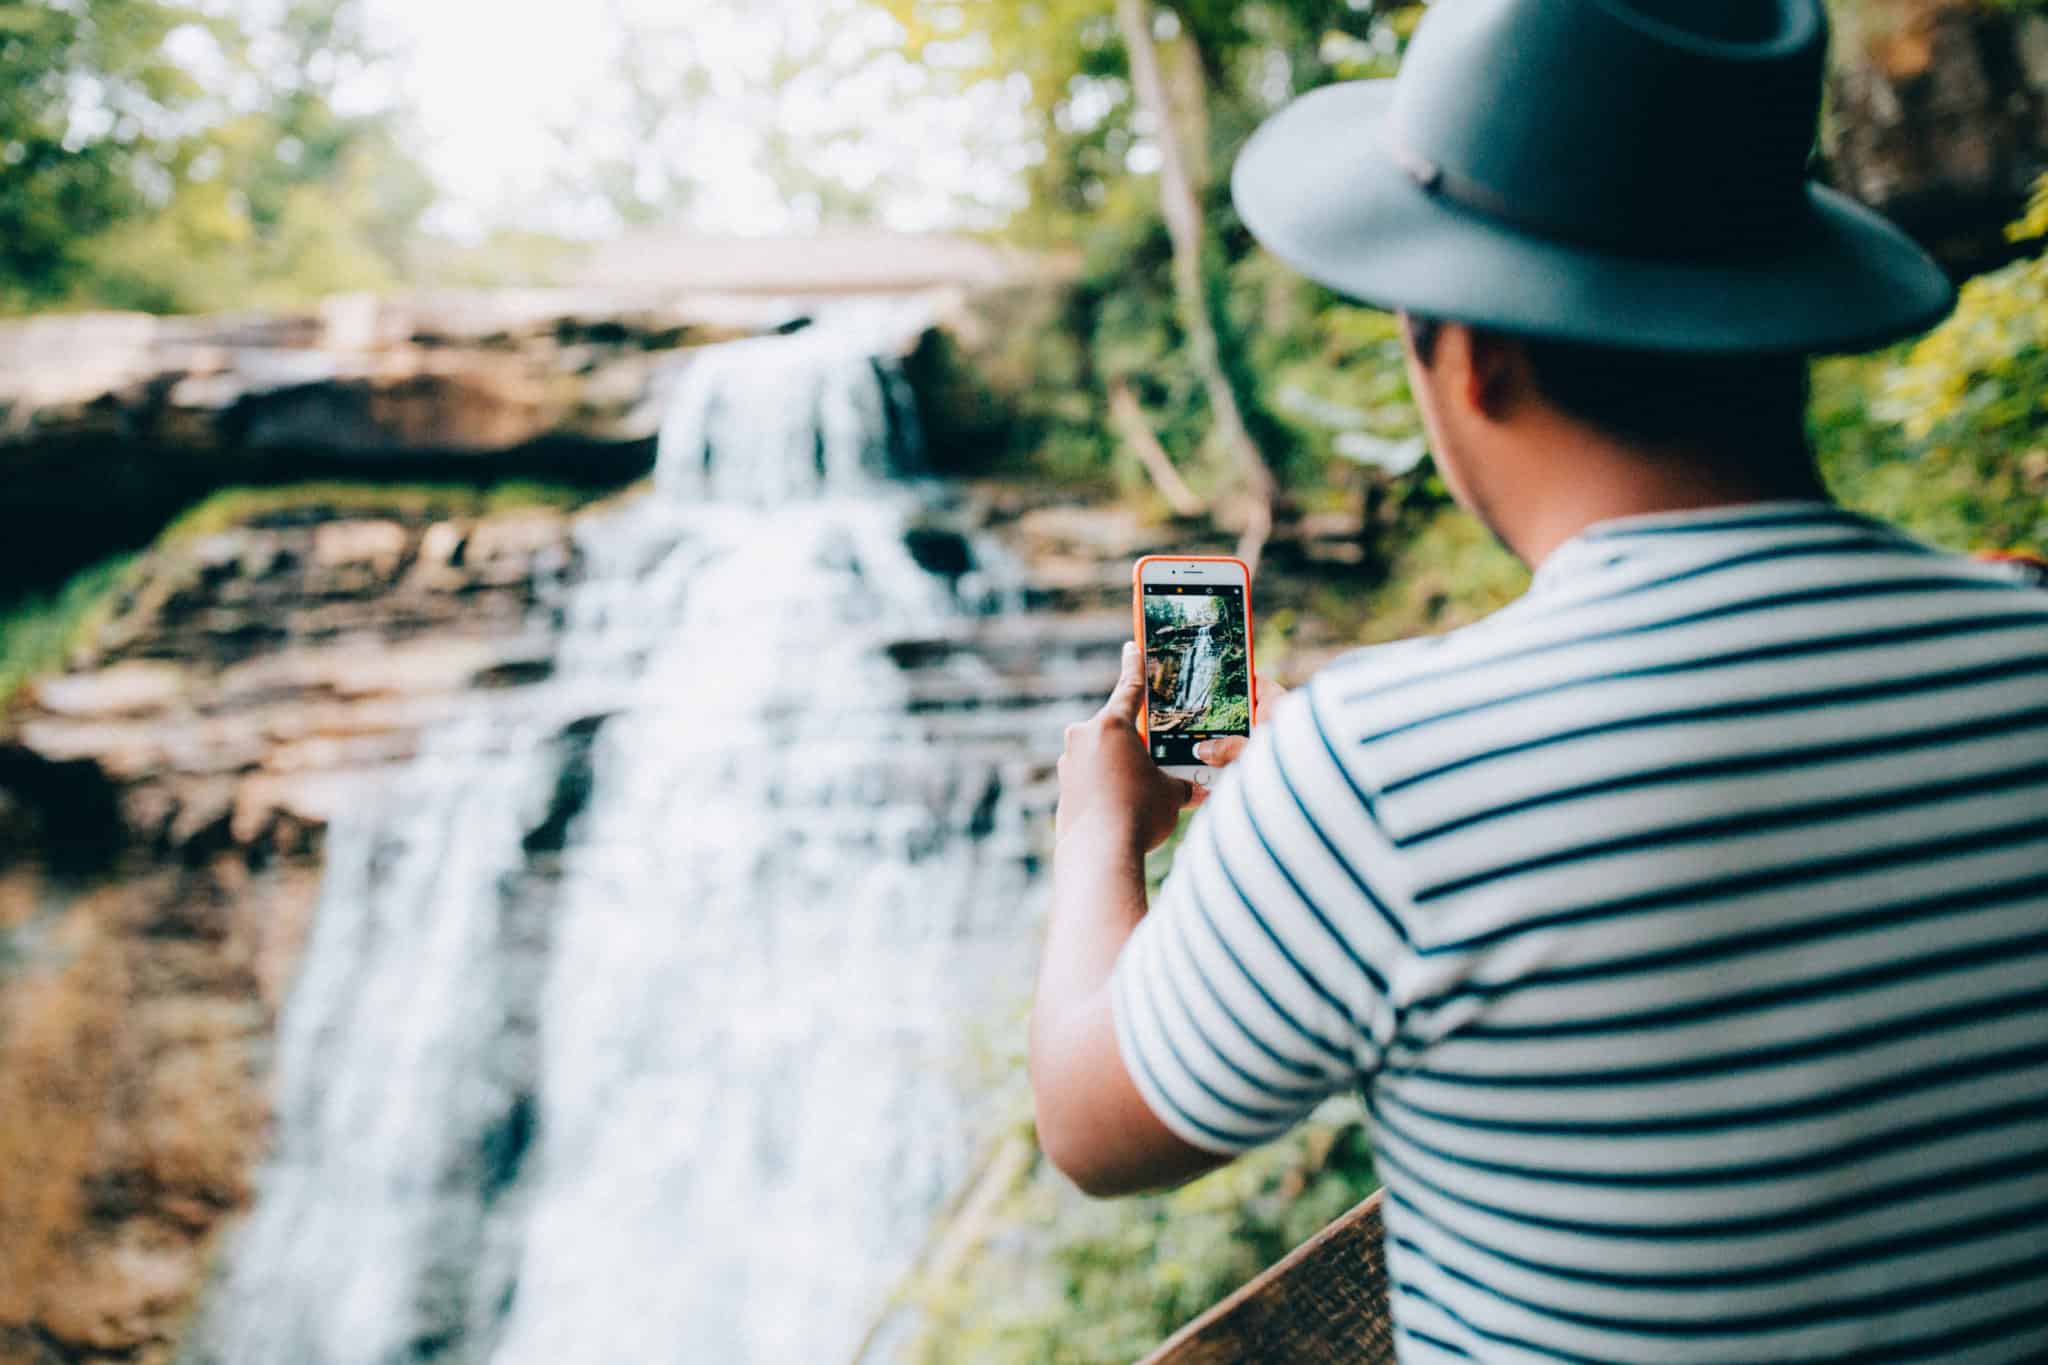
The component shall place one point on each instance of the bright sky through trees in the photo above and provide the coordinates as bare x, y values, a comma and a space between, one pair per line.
722, 115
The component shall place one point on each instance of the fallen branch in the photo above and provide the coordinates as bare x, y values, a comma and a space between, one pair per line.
1127, 417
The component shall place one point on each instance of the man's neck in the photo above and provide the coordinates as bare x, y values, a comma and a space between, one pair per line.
1603, 481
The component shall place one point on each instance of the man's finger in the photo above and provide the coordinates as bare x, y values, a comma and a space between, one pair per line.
1127, 699
1268, 693
1220, 752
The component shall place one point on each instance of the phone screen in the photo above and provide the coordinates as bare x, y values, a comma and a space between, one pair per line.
1197, 672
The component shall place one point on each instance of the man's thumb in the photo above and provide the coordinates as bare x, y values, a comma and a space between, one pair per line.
1129, 693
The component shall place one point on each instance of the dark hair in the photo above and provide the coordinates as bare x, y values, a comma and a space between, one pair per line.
1744, 404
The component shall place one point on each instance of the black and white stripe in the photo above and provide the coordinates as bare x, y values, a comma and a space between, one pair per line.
1686, 927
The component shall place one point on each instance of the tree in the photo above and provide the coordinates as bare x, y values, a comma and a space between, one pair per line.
172, 159
87, 101
1180, 198
740, 116
1140, 107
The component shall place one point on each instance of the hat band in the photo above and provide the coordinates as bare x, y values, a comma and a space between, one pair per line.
1708, 233
1439, 182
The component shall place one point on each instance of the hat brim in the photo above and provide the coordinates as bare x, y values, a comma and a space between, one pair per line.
1318, 188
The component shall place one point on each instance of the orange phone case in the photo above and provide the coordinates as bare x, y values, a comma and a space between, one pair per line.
1251, 658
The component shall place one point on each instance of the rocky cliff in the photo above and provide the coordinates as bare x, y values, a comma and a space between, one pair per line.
134, 417
162, 802
163, 805
161, 813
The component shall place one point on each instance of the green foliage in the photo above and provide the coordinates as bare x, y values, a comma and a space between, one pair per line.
1071, 1281
39, 632
1228, 710
1949, 437
1983, 375
1093, 194
207, 251
1448, 574
231, 507
1052, 1276
84, 90
172, 157
1230, 706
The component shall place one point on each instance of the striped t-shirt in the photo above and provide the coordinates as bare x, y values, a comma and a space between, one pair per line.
1685, 928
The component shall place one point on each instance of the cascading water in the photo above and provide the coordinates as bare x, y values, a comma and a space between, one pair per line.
629, 1025
1200, 660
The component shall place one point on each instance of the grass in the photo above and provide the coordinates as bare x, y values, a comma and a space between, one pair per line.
40, 632
232, 507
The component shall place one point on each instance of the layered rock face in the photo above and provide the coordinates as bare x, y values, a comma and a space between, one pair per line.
161, 814
134, 417
163, 803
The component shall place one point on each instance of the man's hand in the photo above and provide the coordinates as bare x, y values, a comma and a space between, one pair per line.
1109, 785
1221, 753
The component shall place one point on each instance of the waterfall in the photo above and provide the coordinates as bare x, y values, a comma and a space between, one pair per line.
1200, 660
630, 1024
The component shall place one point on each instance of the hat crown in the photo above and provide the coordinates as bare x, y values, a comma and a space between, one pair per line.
1653, 126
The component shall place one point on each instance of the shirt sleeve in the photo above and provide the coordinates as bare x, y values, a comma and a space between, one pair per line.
1257, 985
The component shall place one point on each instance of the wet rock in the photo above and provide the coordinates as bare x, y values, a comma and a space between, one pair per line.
940, 550
344, 547
503, 1149
133, 687
439, 564
574, 778
61, 812
132, 1300
1111, 532
911, 654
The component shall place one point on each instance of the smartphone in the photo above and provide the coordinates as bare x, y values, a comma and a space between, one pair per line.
1193, 617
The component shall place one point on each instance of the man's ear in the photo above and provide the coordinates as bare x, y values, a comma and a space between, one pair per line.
1497, 376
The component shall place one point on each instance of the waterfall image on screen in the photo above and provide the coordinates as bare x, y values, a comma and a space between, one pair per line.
1196, 667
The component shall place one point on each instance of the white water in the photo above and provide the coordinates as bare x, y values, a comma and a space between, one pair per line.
1200, 662
631, 1024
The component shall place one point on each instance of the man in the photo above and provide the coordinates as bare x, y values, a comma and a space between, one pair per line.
1684, 925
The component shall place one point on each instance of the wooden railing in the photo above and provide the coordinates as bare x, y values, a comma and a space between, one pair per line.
1326, 1302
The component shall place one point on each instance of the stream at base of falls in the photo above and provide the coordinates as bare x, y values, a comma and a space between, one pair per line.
634, 1021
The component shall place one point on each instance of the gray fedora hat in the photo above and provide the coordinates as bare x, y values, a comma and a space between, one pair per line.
1620, 172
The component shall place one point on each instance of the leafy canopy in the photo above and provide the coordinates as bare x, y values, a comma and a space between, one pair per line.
164, 156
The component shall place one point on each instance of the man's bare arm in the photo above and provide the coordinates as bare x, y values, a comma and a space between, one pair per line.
1115, 805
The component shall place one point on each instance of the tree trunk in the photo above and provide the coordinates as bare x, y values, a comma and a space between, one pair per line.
1180, 204
1939, 120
